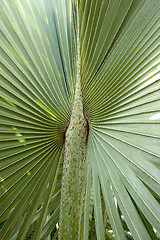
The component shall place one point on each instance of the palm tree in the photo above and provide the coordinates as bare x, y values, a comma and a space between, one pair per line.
80, 119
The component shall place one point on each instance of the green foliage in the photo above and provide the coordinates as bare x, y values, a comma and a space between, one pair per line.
120, 65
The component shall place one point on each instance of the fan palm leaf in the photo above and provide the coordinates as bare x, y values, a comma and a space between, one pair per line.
120, 65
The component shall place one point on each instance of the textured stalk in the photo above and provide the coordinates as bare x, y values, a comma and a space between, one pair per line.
74, 163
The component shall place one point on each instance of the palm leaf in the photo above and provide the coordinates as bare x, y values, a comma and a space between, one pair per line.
36, 92
120, 66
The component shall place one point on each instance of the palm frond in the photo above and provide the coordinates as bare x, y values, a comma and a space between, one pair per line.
36, 92
120, 69
120, 65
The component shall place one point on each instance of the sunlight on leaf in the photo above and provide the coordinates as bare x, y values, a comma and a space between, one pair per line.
17, 134
2, 189
8, 101
28, 173
155, 116
49, 111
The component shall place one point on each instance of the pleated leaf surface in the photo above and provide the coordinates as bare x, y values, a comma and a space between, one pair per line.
120, 67
37, 85
121, 85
